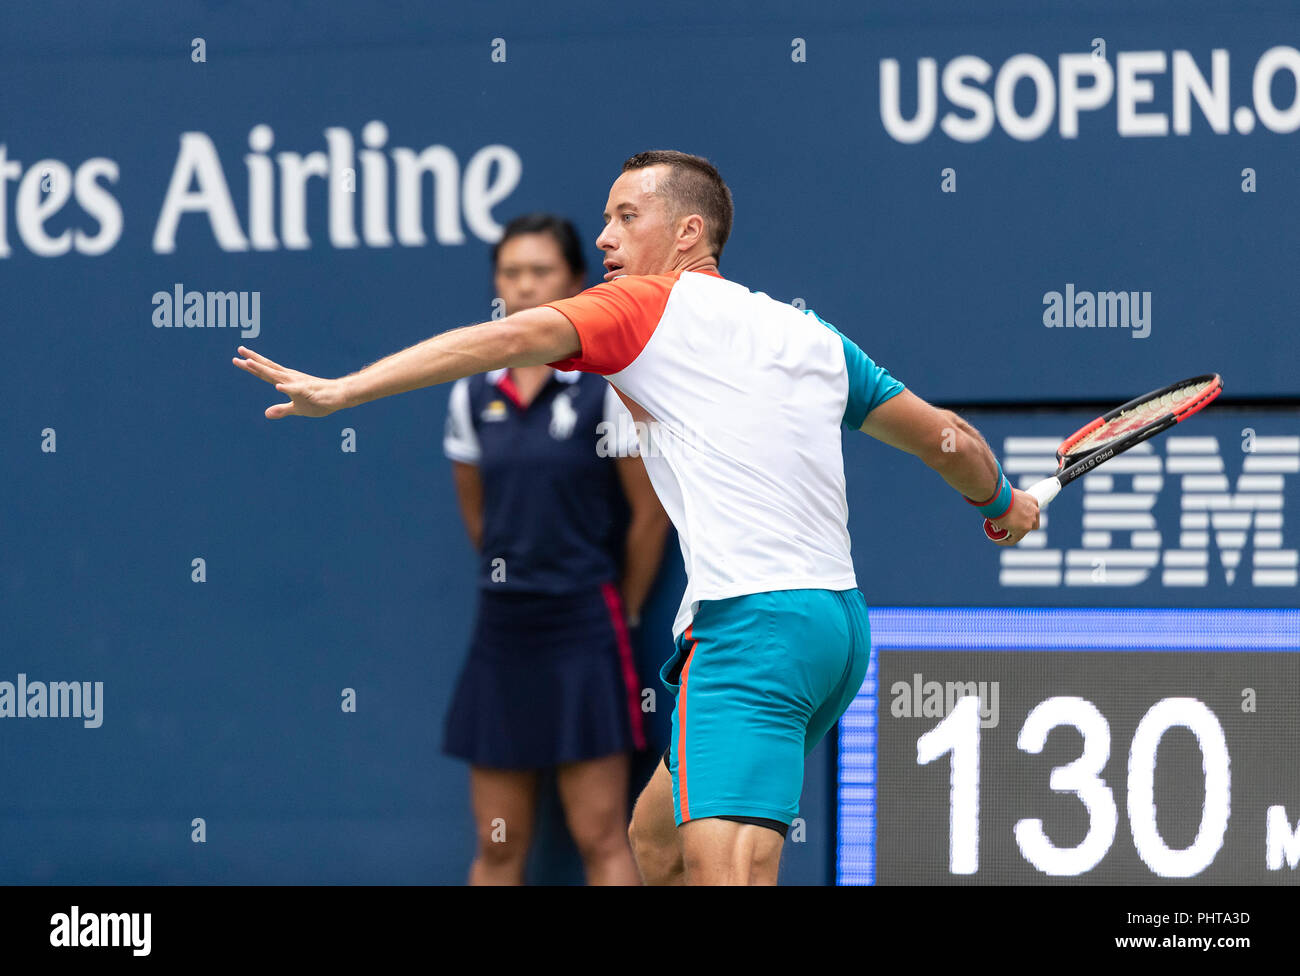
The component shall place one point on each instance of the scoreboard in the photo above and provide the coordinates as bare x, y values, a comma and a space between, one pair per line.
1075, 746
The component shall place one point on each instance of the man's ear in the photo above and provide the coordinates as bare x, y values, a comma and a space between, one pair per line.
691, 230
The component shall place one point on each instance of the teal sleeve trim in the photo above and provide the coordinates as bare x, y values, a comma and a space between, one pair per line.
870, 385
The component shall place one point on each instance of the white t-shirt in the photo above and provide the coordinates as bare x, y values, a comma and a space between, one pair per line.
743, 399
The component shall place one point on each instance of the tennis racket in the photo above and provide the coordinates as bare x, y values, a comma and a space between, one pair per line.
1115, 432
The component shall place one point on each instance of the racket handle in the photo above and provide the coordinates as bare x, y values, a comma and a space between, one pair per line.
1044, 491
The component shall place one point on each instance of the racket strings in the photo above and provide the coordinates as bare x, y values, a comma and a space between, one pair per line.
1139, 415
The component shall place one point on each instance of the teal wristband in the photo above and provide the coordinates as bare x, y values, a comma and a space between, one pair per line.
1000, 503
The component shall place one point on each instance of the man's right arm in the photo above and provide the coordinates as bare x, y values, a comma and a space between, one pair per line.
954, 450
892, 413
940, 438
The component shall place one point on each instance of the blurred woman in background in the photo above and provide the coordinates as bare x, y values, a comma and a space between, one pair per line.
570, 535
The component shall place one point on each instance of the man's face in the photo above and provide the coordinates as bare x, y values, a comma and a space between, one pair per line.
531, 271
638, 236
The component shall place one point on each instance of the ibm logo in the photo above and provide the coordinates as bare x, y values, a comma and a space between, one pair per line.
1123, 546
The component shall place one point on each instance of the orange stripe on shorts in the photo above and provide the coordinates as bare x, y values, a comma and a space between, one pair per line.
681, 730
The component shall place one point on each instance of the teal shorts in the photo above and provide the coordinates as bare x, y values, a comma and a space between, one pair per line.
759, 680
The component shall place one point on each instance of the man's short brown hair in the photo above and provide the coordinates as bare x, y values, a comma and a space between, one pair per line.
692, 186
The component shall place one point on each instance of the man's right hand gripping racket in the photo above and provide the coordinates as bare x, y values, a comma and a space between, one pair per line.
1115, 432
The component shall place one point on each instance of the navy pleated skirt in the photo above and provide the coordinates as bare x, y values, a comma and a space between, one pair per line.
548, 679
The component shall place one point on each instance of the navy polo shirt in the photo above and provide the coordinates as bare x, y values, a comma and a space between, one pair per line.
554, 511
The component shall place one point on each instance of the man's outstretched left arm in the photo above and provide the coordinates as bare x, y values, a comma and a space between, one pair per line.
532, 337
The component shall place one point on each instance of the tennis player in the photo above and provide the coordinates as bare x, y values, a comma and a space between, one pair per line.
747, 397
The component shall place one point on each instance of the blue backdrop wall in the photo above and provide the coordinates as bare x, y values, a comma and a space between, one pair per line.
963, 193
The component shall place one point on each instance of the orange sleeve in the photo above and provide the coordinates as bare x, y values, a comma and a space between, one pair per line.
614, 320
